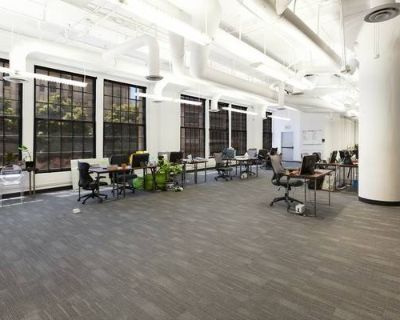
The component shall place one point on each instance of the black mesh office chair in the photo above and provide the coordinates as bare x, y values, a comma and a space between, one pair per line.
279, 180
118, 178
262, 158
223, 170
86, 182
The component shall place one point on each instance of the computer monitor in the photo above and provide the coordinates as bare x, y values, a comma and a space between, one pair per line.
176, 157
333, 157
342, 154
140, 160
308, 164
229, 153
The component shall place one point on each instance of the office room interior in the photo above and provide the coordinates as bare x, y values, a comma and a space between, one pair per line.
199, 159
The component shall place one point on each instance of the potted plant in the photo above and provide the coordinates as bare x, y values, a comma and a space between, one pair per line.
9, 158
165, 176
29, 164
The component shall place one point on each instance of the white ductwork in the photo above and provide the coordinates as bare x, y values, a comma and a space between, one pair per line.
90, 59
153, 54
291, 24
281, 5
214, 103
177, 49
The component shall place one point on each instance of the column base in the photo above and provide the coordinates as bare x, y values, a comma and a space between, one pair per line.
380, 203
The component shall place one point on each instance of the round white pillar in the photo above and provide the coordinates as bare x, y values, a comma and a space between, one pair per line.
379, 135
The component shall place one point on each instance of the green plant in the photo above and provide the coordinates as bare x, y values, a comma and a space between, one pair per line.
25, 149
169, 169
10, 158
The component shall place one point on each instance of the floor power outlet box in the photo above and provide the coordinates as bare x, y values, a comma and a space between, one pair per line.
300, 208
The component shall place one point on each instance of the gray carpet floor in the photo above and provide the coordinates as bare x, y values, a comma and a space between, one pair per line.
213, 251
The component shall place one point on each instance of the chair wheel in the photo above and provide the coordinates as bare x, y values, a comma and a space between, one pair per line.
215, 179
271, 204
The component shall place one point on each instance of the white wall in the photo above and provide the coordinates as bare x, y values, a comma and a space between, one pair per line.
337, 131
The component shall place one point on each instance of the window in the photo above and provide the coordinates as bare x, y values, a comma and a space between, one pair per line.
239, 130
219, 129
192, 127
124, 119
64, 121
10, 117
267, 132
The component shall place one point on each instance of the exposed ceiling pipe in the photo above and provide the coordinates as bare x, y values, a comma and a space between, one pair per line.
214, 102
281, 5
289, 21
177, 49
26, 47
132, 44
207, 19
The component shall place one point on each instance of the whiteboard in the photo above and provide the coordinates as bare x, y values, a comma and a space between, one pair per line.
312, 137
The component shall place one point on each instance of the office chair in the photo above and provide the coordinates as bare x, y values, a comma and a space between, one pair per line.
273, 151
223, 170
280, 181
86, 182
263, 157
118, 178
317, 155
252, 153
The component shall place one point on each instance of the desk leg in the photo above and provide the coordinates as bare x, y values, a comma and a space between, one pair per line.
305, 192
315, 197
34, 182
195, 173
144, 179
205, 171
236, 167
256, 169
153, 173
124, 187
183, 175
329, 189
30, 182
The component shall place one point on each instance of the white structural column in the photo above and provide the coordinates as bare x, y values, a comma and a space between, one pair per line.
379, 135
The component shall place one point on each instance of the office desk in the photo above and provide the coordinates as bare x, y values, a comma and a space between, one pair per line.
113, 170
340, 173
247, 162
195, 162
320, 173
153, 171
353, 173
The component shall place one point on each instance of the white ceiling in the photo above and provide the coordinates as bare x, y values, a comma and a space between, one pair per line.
101, 24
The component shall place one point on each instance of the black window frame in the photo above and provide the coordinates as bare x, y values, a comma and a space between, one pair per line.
267, 131
128, 126
239, 130
73, 89
219, 129
189, 127
18, 115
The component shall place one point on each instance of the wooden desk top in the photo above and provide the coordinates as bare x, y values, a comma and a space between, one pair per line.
242, 158
108, 169
193, 161
319, 173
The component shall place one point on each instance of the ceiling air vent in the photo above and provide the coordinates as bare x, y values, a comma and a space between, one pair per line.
383, 13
